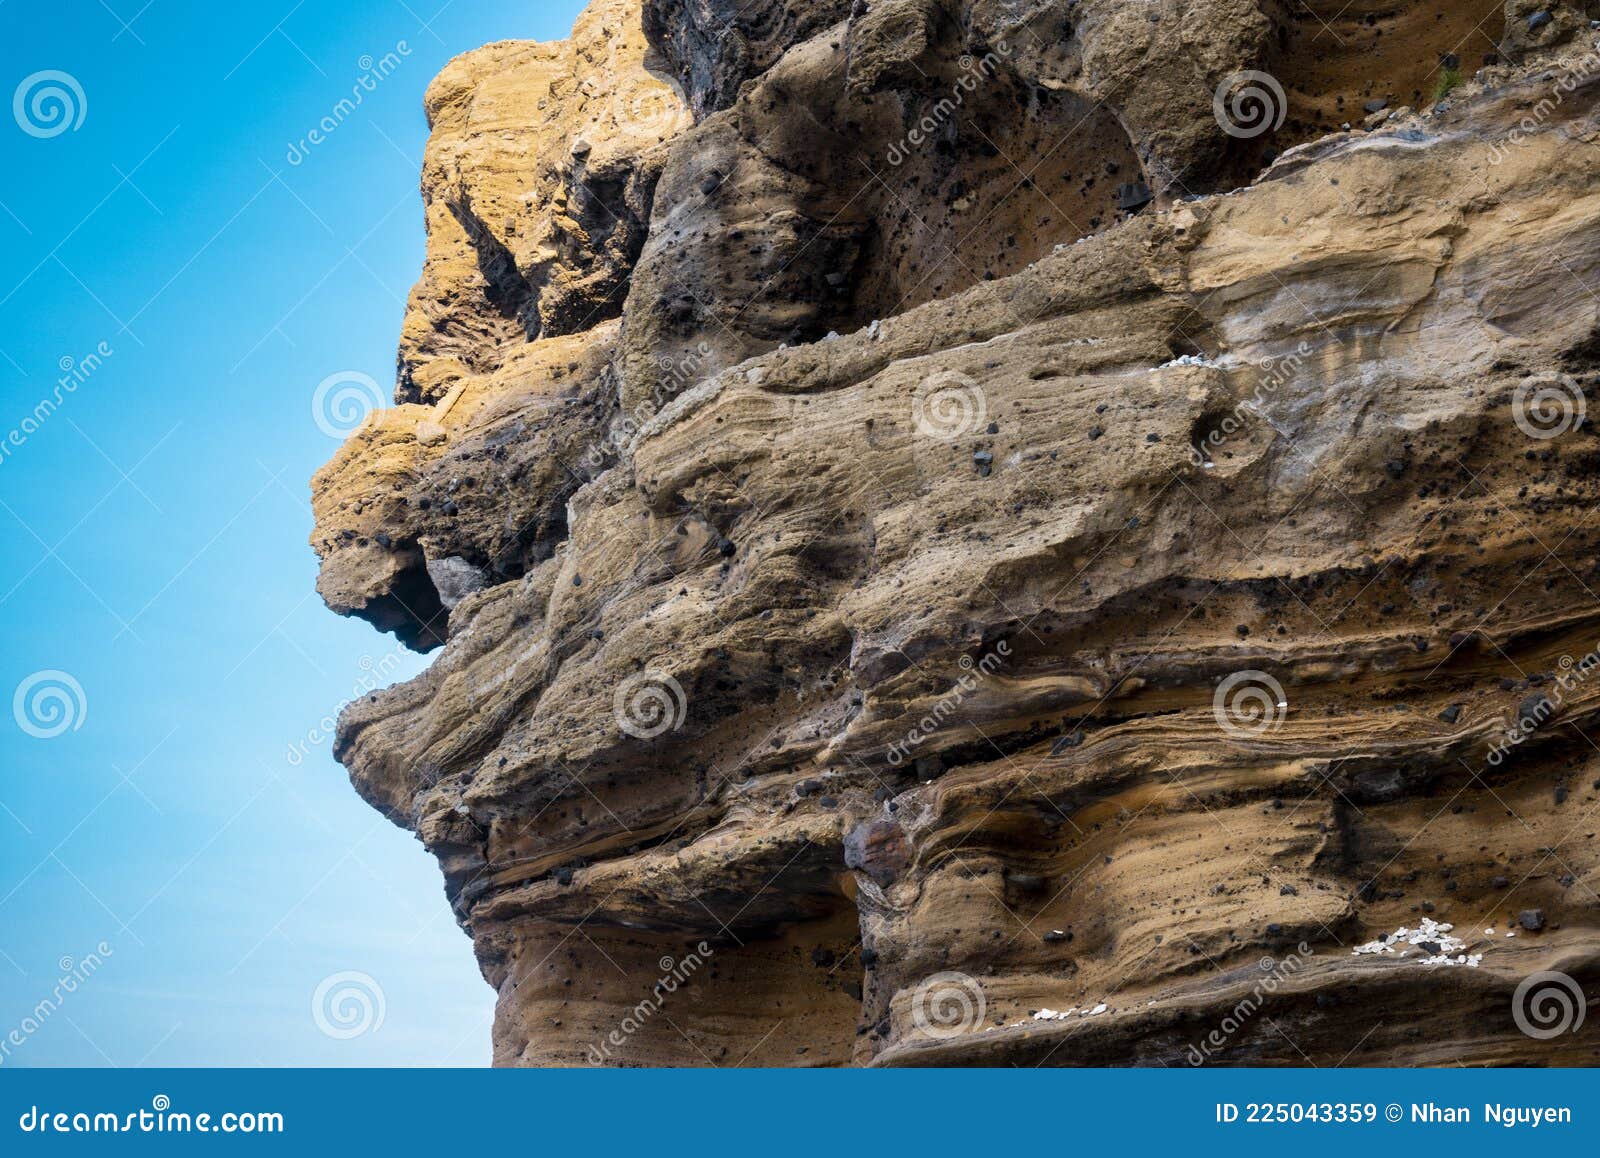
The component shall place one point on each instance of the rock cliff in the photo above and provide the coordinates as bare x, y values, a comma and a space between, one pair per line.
988, 532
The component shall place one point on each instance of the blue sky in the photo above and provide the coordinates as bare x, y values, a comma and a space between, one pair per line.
193, 286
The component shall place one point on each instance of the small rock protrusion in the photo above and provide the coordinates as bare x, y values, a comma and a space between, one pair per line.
1535, 710
1070, 740
1133, 196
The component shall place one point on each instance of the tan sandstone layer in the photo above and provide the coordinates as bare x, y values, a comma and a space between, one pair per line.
863, 468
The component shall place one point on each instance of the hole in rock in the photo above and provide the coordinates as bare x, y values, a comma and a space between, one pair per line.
986, 193
993, 192
411, 608
1336, 61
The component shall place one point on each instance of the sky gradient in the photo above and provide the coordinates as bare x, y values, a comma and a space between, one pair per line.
181, 268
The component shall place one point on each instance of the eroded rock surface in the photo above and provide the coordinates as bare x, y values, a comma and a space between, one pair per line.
926, 574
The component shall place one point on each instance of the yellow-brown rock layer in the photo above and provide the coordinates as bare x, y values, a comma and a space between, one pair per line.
936, 581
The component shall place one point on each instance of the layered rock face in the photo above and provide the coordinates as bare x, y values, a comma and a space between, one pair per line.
978, 533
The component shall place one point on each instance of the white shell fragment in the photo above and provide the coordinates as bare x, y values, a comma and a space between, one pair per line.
1058, 1015
1431, 938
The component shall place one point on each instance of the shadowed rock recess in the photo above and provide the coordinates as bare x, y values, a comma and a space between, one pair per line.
967, 532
